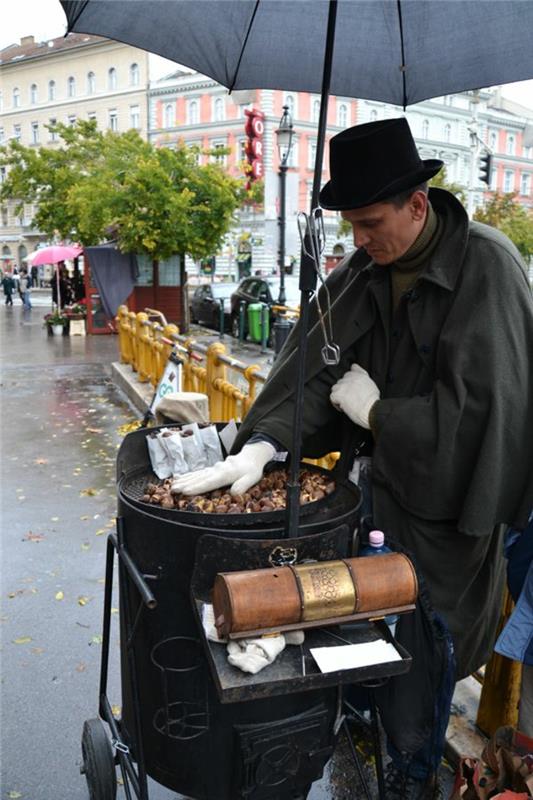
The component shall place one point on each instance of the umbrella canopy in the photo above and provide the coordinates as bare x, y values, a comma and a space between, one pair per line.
396, 51
54, 254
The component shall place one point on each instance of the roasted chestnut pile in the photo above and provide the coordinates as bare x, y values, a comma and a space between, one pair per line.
267, 495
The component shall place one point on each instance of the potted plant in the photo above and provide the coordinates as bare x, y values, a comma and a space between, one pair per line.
55, 322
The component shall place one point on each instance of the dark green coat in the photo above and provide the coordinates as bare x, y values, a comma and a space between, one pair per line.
452, 457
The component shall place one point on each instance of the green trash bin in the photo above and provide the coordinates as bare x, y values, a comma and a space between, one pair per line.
254, 322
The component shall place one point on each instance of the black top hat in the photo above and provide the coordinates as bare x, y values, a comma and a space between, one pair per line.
372, 162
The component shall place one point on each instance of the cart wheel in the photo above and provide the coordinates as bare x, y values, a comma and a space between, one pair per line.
98, 761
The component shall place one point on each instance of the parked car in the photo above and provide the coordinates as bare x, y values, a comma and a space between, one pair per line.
205, 304
261, 290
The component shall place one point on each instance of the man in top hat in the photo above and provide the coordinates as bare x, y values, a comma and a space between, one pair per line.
433, 316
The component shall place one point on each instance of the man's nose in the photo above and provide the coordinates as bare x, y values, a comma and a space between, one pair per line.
360, 238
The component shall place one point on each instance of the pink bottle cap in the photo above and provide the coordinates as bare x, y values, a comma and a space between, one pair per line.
376, 538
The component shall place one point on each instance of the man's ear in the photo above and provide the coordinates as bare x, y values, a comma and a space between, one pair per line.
418, 203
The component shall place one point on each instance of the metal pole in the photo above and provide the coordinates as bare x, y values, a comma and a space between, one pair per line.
282, 211
474, 155
307, 287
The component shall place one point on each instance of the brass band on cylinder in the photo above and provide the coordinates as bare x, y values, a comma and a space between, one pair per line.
326, 590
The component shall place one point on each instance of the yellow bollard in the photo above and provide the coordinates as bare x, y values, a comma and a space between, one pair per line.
132, 332
123, 335
250, 373
141, 339
500, 694
215, 369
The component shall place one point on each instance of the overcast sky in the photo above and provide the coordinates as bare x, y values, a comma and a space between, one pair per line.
45, 19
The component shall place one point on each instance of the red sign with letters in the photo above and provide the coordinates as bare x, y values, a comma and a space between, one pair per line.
254, 128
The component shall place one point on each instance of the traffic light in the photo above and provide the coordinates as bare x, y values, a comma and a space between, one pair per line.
485, 165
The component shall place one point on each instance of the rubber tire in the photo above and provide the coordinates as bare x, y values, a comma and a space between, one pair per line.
235, 324
98, 761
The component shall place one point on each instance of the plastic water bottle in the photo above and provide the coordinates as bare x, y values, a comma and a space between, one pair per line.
377, 547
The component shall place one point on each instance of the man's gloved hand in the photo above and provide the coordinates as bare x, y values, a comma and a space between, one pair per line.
355, 394
241, 471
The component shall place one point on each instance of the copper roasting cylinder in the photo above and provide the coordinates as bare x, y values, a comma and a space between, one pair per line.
287, 596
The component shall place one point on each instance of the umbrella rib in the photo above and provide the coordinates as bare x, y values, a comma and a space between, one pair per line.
243, 48
402, 67
70, 26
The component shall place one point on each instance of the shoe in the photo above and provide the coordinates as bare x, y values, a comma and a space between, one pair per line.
401, 786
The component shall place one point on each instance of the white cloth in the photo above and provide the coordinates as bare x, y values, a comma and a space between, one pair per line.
240, 472
355, 394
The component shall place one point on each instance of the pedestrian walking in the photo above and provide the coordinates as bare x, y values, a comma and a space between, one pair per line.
433, 318
8, 285
25, 289
34, 273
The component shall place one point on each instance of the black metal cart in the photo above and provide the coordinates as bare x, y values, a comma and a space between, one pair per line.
189, 720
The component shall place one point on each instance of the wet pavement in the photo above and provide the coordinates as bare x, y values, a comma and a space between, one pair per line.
61, 420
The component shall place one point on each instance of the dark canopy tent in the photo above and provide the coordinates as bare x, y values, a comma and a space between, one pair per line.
114, 275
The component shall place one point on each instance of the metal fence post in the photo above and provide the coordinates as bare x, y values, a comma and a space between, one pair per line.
221, 319
264, 312
242, 315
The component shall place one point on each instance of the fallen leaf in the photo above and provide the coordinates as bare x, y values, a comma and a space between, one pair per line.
114, 610
85, 516
41, 461
54, 519
116, 710
33, 537
85, 546
81, 667
22, 640
12, 795
21, 497
93, 430
90, 492
82, 600
59, 596
100, 531
96, 640
37, 650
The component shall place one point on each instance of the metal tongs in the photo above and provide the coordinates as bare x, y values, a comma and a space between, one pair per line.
313, 240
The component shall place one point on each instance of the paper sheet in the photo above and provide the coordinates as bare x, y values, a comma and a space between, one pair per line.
351, 656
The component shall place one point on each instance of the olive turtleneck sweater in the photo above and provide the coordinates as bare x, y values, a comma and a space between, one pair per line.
405, 270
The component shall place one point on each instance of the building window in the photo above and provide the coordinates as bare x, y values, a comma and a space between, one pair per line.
219, 158
241, 149
170, 119
16, 98
311, 155
525, 183
51, 90
91, 83
4, 223
315, 111
493, 141
447, 133
135, 117
71, 87
53, 134
134, 75
112, 78
342, 115
112, 123
91, 115
71, 119
508, 181
528, 151
17, 132
218, 109
290, 102
35, 133
33, 94
425, 129
195, 148
510, 144
193, 116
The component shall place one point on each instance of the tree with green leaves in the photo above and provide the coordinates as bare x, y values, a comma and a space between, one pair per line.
503, 212
156, 201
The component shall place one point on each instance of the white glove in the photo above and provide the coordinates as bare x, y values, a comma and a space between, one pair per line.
252, 655
241, 471
355, 394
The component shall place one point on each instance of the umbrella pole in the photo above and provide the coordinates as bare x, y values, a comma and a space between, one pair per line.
307, 287
58, 289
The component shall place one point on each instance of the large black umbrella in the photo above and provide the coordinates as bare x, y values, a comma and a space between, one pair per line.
396, 51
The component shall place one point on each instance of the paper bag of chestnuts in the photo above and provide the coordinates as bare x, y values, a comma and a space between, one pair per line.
268, 495
174, 451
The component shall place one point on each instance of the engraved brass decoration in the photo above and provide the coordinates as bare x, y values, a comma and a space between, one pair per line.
327, 590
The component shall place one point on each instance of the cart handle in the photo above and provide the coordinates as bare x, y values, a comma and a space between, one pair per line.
136, 576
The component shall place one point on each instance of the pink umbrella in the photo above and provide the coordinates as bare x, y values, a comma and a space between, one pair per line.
52, 255
55, 253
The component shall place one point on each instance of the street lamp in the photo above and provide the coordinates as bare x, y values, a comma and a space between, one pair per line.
284, 143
